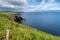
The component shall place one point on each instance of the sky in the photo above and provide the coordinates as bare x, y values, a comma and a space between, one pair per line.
29, 5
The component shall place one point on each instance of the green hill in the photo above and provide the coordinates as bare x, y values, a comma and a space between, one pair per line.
19, 31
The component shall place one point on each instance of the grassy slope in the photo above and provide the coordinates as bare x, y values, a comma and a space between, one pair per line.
21, 32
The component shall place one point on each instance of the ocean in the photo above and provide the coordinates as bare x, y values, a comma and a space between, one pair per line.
45, 21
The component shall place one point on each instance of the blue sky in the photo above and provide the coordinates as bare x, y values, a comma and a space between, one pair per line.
44, 5
29, 5
57, 0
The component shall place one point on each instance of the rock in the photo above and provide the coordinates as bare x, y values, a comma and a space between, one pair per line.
18, 19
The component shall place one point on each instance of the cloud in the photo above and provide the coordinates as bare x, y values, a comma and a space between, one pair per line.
12, 5
43, 6
51, 1
24, 5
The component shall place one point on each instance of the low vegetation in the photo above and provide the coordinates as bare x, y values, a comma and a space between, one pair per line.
19, 31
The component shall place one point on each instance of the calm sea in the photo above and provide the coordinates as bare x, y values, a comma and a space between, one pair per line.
46, 21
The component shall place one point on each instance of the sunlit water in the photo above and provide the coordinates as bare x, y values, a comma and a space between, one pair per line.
45, 21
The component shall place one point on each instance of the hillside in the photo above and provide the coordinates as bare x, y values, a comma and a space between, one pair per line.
20, 31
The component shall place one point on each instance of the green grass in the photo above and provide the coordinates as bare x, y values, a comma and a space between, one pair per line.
19, 31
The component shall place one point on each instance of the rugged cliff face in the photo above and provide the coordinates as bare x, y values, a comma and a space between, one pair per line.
18, 19
15, 17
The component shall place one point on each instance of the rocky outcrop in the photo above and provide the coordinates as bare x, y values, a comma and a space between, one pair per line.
18, 19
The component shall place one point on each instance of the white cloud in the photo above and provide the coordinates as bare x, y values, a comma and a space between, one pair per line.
51, 5
24, 6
